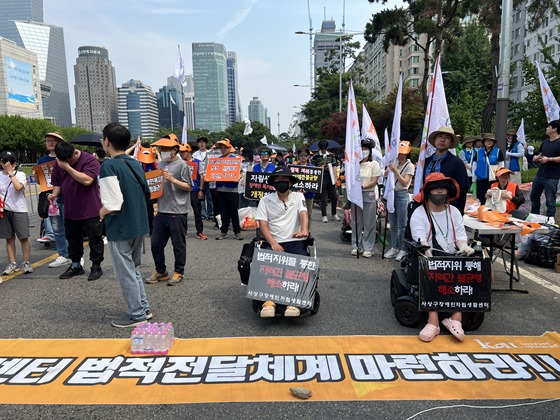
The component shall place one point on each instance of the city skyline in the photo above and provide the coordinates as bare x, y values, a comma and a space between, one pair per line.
142, 40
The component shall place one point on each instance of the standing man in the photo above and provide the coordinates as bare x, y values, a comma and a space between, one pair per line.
197, 193
75, 177
202, 155
171, 219
323, 159
56, 222
447, 163
549, 172
124, 190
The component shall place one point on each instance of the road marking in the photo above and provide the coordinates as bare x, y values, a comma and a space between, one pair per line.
34, 265
539, 280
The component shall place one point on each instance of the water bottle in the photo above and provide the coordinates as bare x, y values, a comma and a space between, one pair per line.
136, 341
478, 249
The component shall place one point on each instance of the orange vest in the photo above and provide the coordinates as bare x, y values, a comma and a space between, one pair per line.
510, 187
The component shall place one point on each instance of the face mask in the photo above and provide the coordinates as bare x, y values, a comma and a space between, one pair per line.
438, 199
282, 186
165, 155
365, 153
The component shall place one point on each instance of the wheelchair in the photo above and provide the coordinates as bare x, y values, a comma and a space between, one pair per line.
244, 269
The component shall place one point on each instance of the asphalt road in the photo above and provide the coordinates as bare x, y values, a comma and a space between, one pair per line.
210, 303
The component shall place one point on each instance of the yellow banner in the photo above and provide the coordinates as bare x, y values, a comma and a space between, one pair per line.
253, 369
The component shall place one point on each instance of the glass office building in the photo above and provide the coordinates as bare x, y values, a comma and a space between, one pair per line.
234, 103
138, 109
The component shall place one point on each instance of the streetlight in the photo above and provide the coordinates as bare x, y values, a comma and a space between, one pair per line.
340, 36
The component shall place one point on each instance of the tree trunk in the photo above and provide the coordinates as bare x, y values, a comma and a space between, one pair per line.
490, 108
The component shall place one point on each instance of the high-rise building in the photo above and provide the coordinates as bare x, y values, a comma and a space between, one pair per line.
234, 103
326, 47
138, 109
257, 112
20, 87
188, 91
210, 86
95, 89
170, 105
13, 10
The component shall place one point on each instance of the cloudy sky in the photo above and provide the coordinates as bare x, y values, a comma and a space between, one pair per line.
142, 37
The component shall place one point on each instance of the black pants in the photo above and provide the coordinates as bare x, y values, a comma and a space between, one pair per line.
482, 186
174, 226
197, 211
228, 202
329, 190
75, 230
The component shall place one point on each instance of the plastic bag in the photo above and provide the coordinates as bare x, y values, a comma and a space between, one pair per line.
53, 209
544, 248
1, 208
247, 219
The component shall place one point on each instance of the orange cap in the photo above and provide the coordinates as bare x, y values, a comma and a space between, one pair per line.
145, 155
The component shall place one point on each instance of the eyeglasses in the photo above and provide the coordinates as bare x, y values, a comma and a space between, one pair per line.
303, 154
265, 154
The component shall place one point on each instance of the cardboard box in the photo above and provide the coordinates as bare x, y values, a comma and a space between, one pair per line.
558, 258
557, 268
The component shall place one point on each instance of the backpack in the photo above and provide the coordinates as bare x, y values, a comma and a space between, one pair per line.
43, 204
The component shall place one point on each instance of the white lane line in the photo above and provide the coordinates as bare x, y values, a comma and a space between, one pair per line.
539, 280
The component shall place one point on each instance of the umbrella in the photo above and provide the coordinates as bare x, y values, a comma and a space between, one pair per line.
89, 139
332, 145
277, 147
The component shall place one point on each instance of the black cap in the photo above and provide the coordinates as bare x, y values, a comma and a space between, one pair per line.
6, 154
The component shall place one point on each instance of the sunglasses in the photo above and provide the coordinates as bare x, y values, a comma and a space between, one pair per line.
265, 154
12, 161
303, 154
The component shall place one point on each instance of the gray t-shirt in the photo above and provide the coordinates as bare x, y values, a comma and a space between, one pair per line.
175, 200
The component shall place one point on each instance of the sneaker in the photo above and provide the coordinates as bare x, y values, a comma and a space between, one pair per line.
60, 261
401, 254
105, 241
291, 311
95, 272
268, 310
335, 217
325, 219
392, 253
71, 272
149, 314
27, 268
176, 278
1, 280
202, 236
238, 236
367, 254
354, 251
222, 236
126, 322
44, 240
156, 277
219, 221
551, 220
11, 268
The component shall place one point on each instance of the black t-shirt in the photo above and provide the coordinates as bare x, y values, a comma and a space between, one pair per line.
550, 149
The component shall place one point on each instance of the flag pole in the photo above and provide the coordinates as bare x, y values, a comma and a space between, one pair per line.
171, 110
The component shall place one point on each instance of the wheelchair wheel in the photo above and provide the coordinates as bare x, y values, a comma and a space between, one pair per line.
345, 236
472, 320
398, 278
316, 304
406, 311
257, 305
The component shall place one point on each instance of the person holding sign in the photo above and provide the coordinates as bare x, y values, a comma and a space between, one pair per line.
328, 162
304, 159
439, 225
506, 190
197, 193
283, 223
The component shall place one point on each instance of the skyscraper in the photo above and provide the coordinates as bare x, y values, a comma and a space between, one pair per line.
170, 104
22, 22
234, 103
257, 112
138, 108
210, 86
95, 89
325, 45
188, 92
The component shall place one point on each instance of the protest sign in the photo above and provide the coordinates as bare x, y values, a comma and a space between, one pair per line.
43, 173
223, 169
310, 178
256, 185
193, 166
155, 182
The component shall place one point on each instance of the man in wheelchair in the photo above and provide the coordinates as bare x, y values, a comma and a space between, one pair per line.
439, 226
283, 224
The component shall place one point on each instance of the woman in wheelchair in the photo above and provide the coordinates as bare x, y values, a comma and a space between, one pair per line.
440, 226
283, 224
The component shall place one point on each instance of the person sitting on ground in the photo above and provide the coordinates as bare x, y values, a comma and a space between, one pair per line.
283, 223
440, 226
510, 190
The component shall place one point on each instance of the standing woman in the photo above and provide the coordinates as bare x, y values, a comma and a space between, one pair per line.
403, 177
515, 150
366, 218
487, 156
304, 159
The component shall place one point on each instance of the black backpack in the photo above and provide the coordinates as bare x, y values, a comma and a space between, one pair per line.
43, 204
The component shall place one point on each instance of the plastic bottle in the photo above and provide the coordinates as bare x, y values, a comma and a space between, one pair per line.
478, 249
136, 341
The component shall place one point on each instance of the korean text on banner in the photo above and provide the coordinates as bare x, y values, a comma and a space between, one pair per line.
223, 169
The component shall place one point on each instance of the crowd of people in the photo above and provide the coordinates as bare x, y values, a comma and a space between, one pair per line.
108, 195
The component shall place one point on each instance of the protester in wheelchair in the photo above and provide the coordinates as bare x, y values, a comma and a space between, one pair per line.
283, 224
440, 226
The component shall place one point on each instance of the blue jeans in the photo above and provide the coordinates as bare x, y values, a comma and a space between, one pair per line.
549, 185
57, 223
398, 219
207, 207
126, 269
166, 226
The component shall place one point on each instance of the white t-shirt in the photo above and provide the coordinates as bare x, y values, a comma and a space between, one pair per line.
282, 218
369, 170
202, 156
15, 200
421, 229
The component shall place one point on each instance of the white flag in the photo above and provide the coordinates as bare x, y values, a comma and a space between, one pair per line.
263, 141
370, 133
184, 136
294, 147
521, 133
292, 128
137, 148
179, 68
172, 100
437, 116
393, 153
353, 152
248, 129
551, 108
